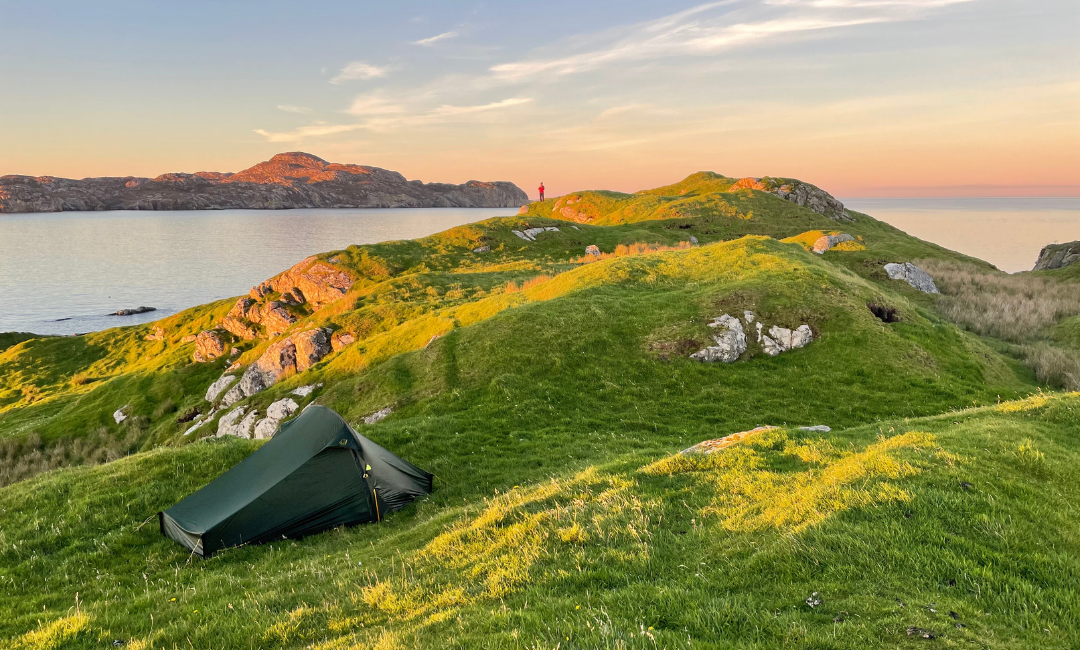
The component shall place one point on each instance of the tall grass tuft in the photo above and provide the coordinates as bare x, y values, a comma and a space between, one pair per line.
1009, 307
1054, 366
25, 456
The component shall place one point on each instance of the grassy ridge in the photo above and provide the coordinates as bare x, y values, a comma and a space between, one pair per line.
549, 391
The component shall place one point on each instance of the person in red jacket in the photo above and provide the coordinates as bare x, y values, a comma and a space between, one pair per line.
541, 190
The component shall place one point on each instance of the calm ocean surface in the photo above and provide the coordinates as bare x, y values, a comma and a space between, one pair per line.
78, 266
81, 265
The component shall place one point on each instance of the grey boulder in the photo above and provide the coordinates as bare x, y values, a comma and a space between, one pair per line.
913, 275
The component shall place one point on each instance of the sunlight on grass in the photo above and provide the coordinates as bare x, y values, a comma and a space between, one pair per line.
1027, 404
748, 497
53, 635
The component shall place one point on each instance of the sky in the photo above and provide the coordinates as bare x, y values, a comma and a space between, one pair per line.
863, 98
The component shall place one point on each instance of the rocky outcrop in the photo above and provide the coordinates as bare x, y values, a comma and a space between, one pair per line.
209, 345
239, 328
219, 386
730, 341
813, 197
310, 281
712, 446
275, 413
529, 234
120, 415
592, 249
295, 353
156, 334
231, 423
781, 339
825, 242
378, 416
799, 193
288, 180
340, 339
304, 391
129, 312
913, 275
1056, 256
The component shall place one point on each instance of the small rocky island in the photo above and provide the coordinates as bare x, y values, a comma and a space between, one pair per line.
288, 180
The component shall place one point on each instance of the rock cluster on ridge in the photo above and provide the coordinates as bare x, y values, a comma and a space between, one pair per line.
730, 340
295, 353
288, 180
1056, 256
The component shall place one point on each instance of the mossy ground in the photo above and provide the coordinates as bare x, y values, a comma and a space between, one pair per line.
549, 397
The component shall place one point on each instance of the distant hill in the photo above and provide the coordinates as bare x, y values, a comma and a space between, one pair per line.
288, 180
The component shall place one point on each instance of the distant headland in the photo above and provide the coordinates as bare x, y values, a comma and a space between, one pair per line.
288, 180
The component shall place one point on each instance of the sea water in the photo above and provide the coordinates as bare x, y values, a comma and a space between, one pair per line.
60, 273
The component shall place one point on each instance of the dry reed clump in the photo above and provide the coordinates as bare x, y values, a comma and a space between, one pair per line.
1054, 366
991, 303
622, 250
27, 456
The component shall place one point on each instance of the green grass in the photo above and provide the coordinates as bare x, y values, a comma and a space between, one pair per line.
972, 513
549, 396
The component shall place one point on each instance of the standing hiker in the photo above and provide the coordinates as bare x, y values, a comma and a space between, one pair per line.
541, 190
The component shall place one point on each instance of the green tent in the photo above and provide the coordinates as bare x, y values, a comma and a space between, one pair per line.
315, 474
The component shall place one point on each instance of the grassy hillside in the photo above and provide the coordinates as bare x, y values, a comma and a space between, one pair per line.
550, 390
961, 526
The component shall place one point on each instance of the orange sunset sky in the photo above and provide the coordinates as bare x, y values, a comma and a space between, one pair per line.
861, 97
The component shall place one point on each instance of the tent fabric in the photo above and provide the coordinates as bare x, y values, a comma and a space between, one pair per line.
315, 474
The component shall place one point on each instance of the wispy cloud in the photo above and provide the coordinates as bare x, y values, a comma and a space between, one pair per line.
383, 115
428, 42
289, 108
359, 70
447, 109
712, 28
305, 132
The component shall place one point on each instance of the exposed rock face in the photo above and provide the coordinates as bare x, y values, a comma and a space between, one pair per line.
592, 249
230, 424
815, 198
119, 414
156, 334
781, 339
913, 275
292, 354
219, 386
209, 345
340, 339
825, 242
311, 281
304, 391
529, 234
377, 416
730, 341
275, 318
288, 180
275, 413
1056, 256
239, 328
799, 193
